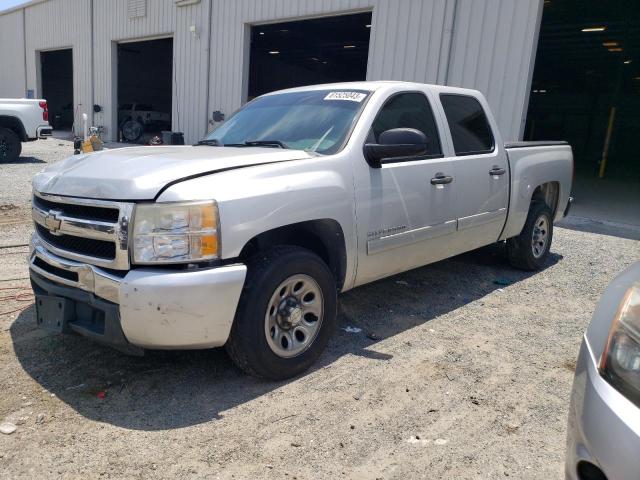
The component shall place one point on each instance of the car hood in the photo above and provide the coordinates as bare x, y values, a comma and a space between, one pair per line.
140, 173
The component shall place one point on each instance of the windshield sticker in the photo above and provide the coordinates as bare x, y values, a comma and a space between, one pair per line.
350, 96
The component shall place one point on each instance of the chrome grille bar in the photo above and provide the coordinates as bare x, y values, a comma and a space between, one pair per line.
62, 224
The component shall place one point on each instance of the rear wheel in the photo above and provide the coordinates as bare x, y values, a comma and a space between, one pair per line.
530, 249
286, 313
10, 146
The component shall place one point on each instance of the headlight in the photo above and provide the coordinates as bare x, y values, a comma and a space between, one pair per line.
175, 232
620, 363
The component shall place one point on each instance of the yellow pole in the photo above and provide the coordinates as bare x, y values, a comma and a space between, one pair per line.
607, 142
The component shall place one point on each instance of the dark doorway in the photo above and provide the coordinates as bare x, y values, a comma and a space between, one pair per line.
586, 84
306, 52
145, 80
56, 74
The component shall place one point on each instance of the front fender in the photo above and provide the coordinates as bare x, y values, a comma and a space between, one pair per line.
258, 199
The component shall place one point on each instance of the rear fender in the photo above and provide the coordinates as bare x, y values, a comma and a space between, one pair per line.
533, 170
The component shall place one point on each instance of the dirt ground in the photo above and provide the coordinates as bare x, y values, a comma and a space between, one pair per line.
461, 369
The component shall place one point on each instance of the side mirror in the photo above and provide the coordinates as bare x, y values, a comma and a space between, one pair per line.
395, 143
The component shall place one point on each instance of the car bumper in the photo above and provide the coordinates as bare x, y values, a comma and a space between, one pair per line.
153, 308
603, 427
44, 131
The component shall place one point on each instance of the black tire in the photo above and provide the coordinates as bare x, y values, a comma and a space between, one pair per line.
10, 145
248, 346
132, 130
522, 252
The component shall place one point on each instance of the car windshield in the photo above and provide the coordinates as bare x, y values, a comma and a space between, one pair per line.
313, 120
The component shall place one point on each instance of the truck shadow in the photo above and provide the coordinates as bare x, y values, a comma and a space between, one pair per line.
23, 160
167, 390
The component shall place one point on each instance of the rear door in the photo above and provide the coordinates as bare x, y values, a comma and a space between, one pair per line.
481, 171
404, 212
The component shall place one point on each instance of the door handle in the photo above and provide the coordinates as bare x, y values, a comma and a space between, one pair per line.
496, 170
441, 179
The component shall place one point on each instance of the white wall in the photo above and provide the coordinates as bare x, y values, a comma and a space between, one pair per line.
61, 24
483, 44
488, 46
12, 75
494, 51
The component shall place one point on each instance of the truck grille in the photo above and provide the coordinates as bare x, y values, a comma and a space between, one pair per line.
84, 246
79, 211
90, 231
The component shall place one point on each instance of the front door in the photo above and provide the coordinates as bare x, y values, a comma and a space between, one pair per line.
405, 209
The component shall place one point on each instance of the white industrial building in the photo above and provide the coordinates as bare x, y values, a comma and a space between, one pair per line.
102, 53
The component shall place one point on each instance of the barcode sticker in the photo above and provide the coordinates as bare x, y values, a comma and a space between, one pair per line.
350, 96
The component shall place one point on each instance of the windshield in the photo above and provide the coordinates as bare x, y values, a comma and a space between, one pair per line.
314, 120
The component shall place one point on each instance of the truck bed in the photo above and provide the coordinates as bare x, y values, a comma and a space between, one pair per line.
531, 164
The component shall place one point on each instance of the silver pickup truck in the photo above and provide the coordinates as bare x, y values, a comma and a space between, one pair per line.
246, 238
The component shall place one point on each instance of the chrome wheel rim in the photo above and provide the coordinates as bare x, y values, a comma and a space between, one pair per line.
540, 236
294, 316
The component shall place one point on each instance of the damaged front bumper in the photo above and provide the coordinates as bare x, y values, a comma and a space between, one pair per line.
136, 309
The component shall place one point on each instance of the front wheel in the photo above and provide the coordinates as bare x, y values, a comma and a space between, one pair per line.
286, 314
530, 249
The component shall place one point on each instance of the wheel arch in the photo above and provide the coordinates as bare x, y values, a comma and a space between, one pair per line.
324, 237
14, 124
549, 193
520, 204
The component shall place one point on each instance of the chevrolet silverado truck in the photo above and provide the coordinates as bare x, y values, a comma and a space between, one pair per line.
246, 238
21, 120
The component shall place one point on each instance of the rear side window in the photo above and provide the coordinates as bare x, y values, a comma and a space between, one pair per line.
468, 124
409, 110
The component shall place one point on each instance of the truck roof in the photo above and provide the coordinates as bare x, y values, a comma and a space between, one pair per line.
375, 85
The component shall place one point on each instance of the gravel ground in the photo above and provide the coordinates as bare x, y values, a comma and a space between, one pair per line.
448, 375
15, 185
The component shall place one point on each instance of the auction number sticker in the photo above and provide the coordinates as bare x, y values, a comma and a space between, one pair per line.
350, 96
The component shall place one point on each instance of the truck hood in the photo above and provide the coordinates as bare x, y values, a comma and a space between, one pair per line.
140, 173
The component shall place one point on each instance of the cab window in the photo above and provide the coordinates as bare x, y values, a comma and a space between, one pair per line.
468, 124
408, 110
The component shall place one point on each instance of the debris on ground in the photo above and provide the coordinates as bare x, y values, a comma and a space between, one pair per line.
374, 336
40, 418
76, 387
512, 427
502, 281
7, 428
352, 329
415, 439
101, 395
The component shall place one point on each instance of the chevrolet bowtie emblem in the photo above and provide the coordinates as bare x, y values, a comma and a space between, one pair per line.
52, 222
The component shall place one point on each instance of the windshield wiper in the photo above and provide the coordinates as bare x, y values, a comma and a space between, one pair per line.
212, 142
265, 143
248, 143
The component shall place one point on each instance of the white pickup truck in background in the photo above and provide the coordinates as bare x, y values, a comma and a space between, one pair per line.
21, 120
246, 238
